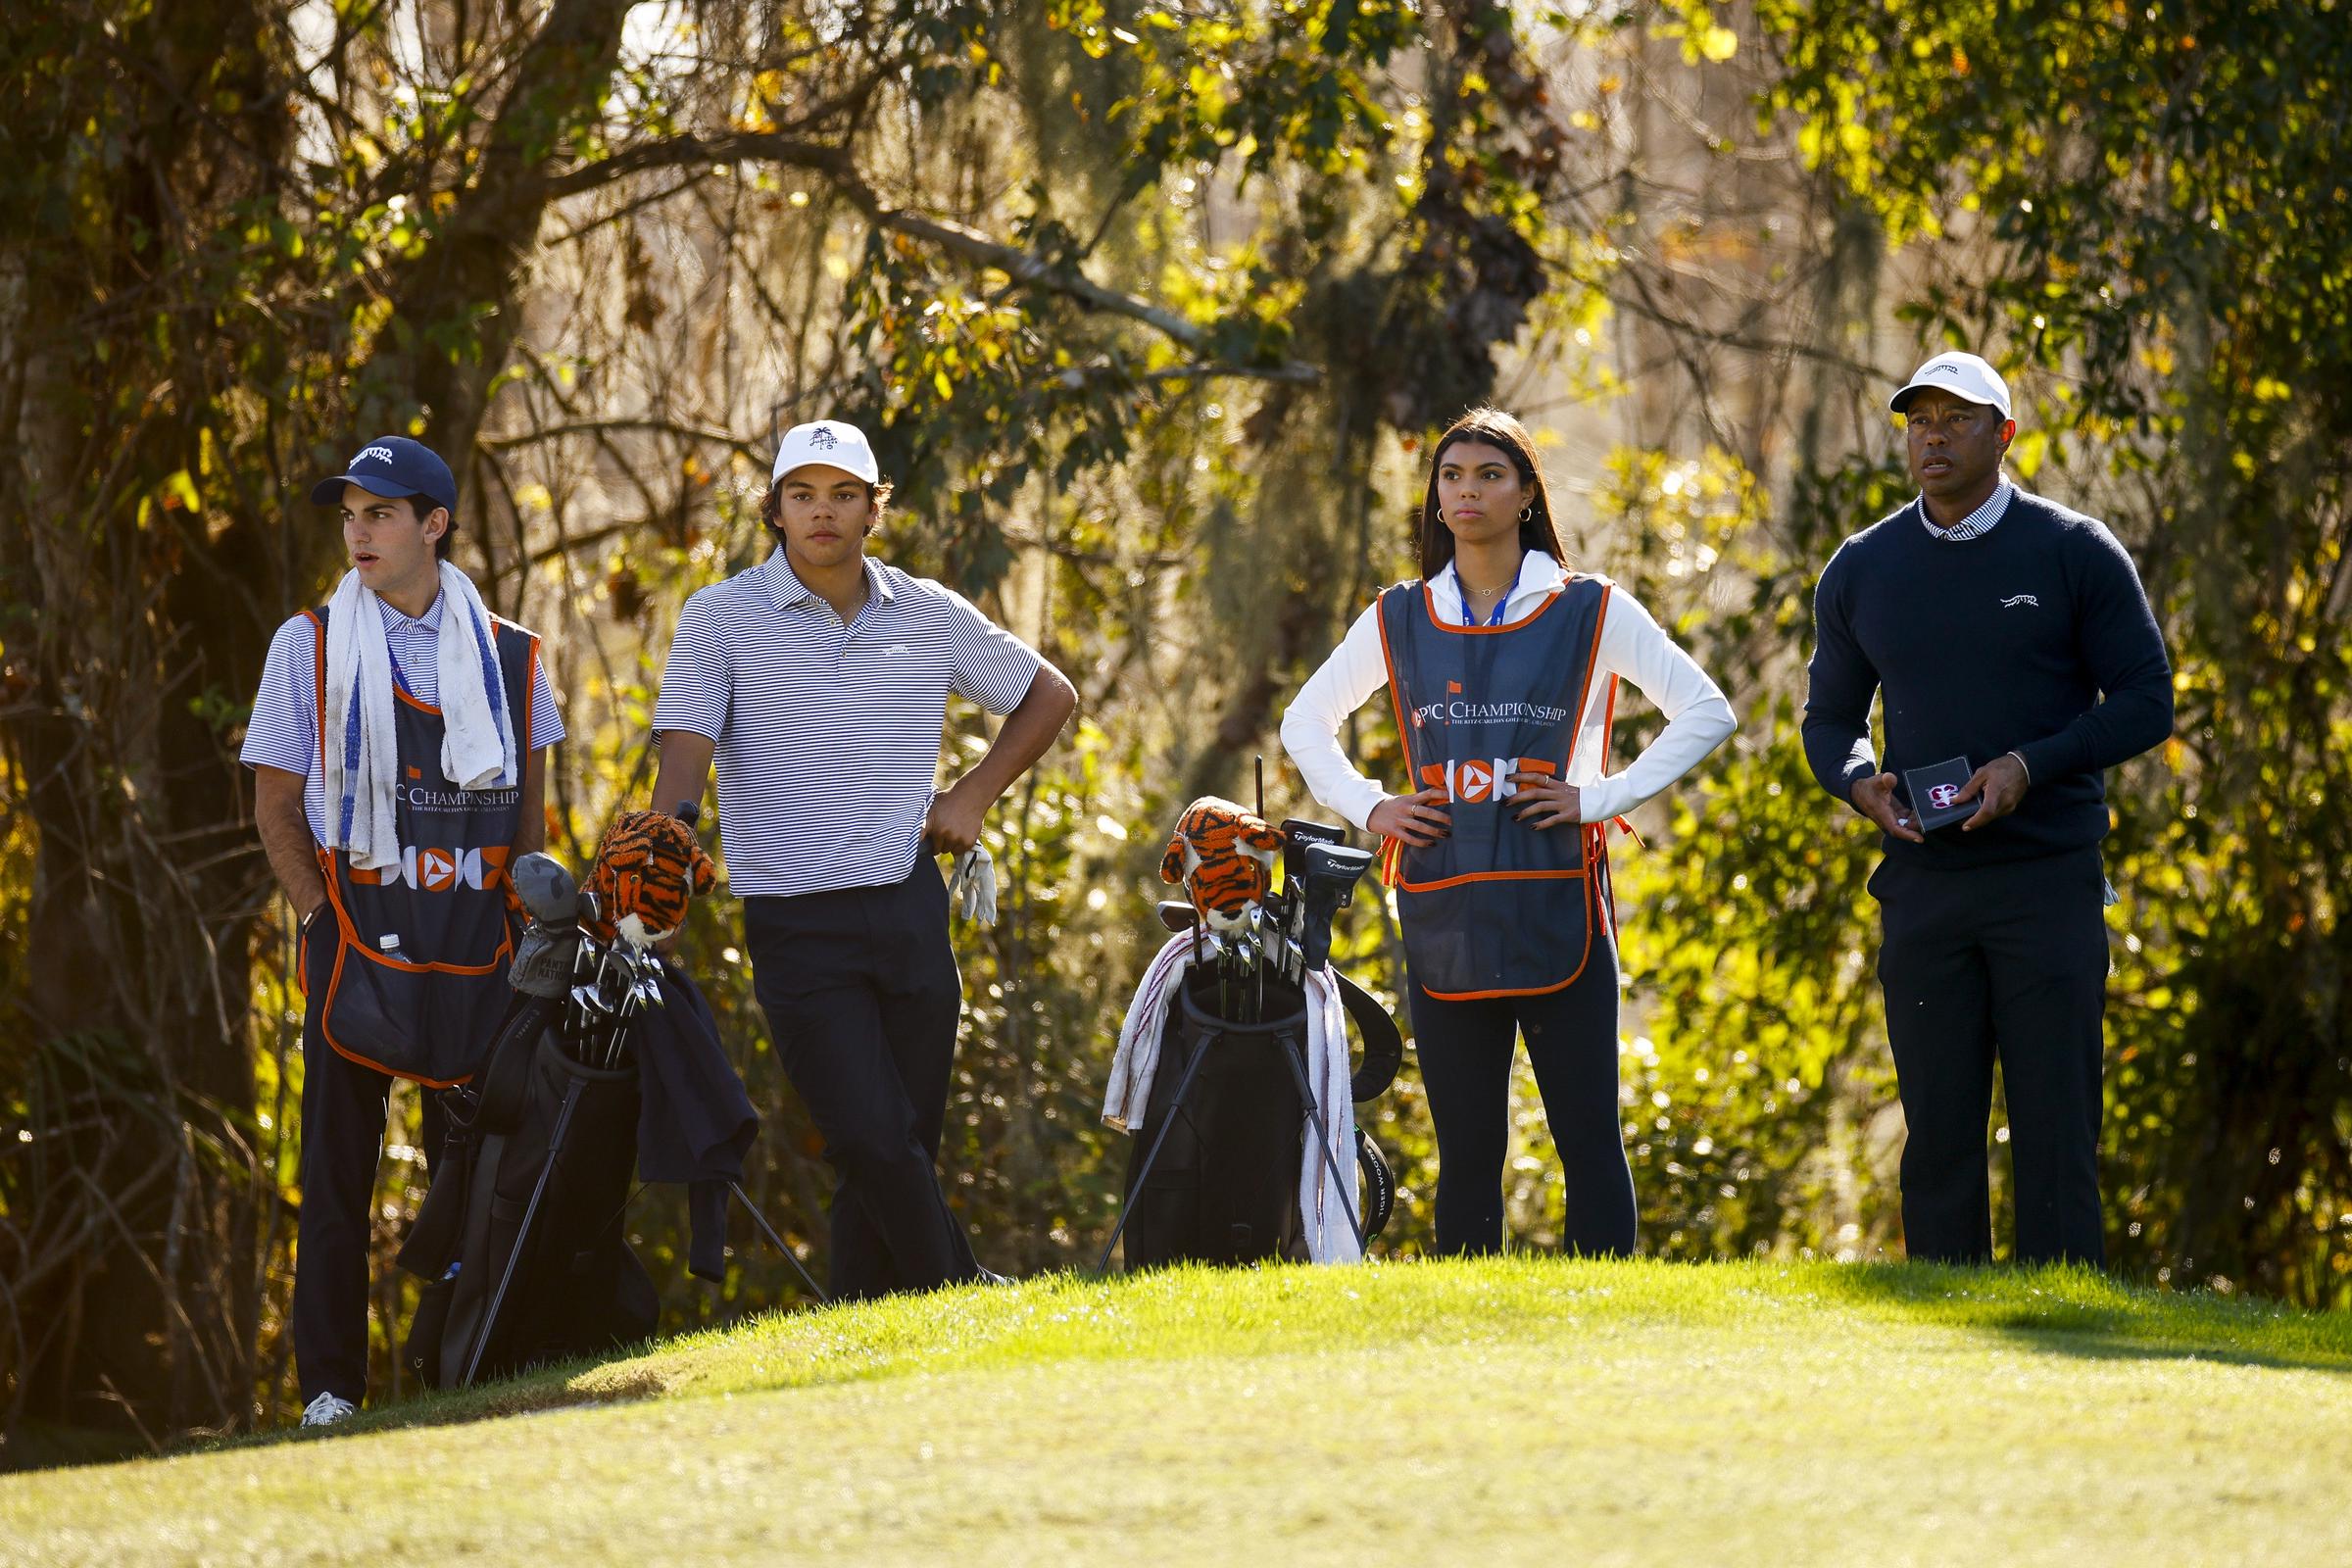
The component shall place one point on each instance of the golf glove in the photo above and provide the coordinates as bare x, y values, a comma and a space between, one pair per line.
972, 889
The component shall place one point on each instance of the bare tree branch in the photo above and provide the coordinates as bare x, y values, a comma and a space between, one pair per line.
834, 163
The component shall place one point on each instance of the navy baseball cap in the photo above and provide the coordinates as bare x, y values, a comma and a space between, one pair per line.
393, 465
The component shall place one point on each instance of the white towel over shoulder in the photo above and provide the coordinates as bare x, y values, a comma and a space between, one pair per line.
362, 769
1330, 1237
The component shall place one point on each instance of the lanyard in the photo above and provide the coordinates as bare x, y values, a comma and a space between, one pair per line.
1470, 617
398, 678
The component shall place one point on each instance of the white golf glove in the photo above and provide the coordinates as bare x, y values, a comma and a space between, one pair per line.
972, 889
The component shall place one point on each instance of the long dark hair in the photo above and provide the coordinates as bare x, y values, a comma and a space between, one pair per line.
1496, 428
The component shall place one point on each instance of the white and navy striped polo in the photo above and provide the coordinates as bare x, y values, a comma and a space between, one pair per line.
828, 735
1977, 524
283, 731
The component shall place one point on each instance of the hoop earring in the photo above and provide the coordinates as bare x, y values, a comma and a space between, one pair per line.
1527, 514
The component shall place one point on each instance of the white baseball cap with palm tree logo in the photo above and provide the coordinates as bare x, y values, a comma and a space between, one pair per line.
831, 442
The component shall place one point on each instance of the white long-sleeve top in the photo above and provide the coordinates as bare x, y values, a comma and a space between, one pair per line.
1632, 645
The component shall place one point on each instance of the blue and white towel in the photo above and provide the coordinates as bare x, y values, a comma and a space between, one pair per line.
363, 767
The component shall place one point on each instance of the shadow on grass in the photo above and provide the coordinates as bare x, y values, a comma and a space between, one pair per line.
565, 1386
2078, 1312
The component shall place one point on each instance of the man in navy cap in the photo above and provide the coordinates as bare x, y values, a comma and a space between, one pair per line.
2019, 661
397, 744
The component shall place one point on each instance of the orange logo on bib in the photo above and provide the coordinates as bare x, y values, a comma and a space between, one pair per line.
435, 870
1476, 780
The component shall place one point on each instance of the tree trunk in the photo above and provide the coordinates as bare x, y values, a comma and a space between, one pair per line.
142, 514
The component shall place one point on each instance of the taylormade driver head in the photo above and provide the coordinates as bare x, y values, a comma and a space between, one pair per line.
547, 889
1332, 871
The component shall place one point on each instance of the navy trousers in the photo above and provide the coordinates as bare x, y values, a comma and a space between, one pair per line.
343, 1107
1997, 963
1465, 1051
862, 995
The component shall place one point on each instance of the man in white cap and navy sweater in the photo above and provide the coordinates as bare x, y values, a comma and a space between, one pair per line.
397, 744
2019, 661
820, 681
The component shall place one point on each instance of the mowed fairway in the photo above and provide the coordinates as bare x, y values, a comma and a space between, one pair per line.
1524, 1411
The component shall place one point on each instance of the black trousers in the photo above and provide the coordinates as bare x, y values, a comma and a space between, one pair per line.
342, 1138
1465, 1051
862, 994
2007, 963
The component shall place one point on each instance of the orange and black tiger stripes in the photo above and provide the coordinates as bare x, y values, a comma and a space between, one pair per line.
649, 866
1223, 856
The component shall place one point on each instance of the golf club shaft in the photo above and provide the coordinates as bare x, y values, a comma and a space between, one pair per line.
769, 1230
1167, 1124
522, 1233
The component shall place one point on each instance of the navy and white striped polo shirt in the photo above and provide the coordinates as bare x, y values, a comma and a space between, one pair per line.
827, 735
283, 731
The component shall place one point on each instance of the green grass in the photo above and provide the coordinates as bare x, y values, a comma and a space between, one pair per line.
1524, 1410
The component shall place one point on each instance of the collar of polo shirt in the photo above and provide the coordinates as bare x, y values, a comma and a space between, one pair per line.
785, 588
431, 621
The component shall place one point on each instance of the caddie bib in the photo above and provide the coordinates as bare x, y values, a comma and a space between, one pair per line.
412, 980
1497, 907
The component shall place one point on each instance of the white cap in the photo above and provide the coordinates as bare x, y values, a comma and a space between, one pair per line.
827, 441
1963, 376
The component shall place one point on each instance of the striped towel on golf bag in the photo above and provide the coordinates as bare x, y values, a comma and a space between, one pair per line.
1328, 1239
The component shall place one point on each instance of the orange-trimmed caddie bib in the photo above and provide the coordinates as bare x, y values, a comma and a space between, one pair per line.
1494, 909
410, 979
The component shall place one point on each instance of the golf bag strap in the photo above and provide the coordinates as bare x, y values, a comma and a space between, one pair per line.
505, 1078
1384, 1042
432, 1240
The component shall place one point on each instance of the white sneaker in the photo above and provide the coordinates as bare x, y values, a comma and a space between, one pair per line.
327, 1410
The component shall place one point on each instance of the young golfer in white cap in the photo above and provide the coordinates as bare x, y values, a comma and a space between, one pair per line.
820, 681
2019, 661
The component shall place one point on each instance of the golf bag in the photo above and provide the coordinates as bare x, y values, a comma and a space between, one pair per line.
1231, 1115
1224, 1186
522, 1235
539, 1114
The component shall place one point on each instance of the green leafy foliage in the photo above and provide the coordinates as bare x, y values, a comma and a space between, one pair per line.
2145, 215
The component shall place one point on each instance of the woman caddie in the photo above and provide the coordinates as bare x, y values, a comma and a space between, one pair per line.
1502, 666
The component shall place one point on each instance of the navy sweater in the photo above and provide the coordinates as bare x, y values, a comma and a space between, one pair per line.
1984, 646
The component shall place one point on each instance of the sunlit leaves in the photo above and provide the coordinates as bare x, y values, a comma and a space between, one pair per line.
2156, 197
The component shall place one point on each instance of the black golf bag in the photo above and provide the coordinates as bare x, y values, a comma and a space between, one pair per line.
1213, 1176
1224, 1188
535, 1114
1216, 1166
608, 1066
